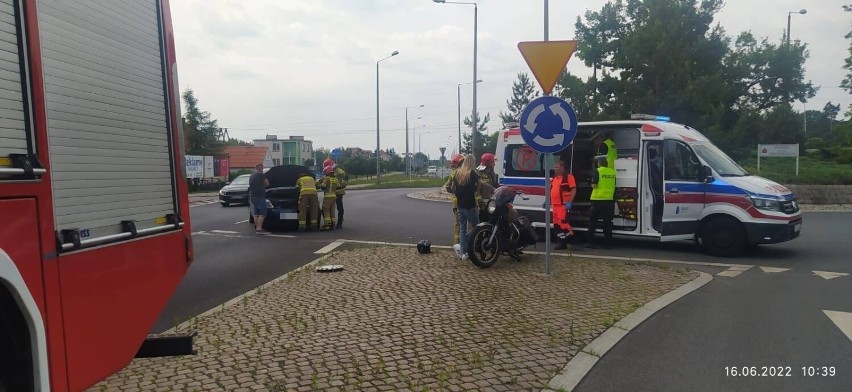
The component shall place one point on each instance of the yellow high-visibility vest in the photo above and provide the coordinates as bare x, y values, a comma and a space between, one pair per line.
605, 188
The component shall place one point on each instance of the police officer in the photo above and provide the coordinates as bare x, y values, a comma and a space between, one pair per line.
603, 202
605, 146
448, 186
563, 187
308, 201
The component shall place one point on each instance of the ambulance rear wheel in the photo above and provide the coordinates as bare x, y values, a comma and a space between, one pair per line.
723, 237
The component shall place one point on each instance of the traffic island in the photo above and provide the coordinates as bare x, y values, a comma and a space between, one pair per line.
393, 319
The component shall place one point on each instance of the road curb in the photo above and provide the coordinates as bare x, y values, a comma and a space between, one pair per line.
416, 196
585, 360
187, 324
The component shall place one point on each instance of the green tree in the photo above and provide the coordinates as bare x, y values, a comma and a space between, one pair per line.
764, 75
481, 139
643, 62
579, 95
201, 131
651, 65
237, 142
846, 84
523, 91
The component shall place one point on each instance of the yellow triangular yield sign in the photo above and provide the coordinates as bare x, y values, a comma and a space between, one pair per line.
547, 59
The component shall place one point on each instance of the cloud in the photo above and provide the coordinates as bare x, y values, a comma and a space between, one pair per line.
309, 66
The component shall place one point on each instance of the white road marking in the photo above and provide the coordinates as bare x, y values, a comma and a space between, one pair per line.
773, 270
621, 258
241, 222
735, 271
226, 235
330, 247
224, 232
842, 320
829, 275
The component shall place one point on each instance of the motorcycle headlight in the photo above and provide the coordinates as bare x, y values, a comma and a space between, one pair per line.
268, 204
766, 204
492, 206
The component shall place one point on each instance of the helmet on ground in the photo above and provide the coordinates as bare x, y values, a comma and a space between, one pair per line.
456, 161
328, 162
487, 159
424, 246
328, 169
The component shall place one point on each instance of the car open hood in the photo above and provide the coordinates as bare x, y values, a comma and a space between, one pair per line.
286, 175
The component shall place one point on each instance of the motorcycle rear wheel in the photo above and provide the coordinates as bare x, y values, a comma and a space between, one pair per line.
480, 254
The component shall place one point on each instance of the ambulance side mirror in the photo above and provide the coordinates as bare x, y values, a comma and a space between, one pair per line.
707, 174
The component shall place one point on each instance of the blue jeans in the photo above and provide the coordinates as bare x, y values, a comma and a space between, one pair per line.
471, 216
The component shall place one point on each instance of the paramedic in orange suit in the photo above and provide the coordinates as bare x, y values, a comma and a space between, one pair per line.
562, 191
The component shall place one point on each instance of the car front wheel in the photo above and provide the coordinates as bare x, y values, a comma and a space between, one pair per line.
724, 237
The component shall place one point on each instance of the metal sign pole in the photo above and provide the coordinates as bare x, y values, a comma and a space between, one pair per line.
758, 158
547, 159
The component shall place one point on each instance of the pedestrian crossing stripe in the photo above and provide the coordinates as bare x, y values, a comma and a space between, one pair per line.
735, 270
772, 270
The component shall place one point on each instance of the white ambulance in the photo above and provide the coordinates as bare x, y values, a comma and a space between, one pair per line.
672, 184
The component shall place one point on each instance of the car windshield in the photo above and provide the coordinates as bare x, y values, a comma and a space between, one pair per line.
718, 160
241, 180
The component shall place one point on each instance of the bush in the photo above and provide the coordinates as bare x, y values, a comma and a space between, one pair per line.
238, 173
843, 155
814, 143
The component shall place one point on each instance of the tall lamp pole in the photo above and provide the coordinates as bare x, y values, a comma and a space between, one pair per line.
378, 140
407, 156
459, 100
802, 12
474, 136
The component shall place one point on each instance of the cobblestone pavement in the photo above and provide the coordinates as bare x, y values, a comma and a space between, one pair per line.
397, 320
438, 194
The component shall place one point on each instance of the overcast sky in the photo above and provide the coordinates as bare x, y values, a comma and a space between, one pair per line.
308, 67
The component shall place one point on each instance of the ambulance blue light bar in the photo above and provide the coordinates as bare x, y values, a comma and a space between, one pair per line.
650, 117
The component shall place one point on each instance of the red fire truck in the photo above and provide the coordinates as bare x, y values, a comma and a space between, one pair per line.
94, 214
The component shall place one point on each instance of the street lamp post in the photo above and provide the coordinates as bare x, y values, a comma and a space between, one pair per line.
802, 12
378, 141
474, 136
407, 156
459, 100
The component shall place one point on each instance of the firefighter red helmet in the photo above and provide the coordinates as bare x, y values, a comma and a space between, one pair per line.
487, 159
328, 169
456, 161
328, 162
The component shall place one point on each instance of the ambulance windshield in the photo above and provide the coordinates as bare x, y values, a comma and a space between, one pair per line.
718, 160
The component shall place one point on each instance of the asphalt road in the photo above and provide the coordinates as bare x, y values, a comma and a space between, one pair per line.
770, 316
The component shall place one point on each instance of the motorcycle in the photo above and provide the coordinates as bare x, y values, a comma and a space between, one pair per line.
500, 233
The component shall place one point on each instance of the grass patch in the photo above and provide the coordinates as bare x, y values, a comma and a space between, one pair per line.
811, 171
416, 183
391, 177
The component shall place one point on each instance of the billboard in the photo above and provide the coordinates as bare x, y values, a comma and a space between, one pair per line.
194, 166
